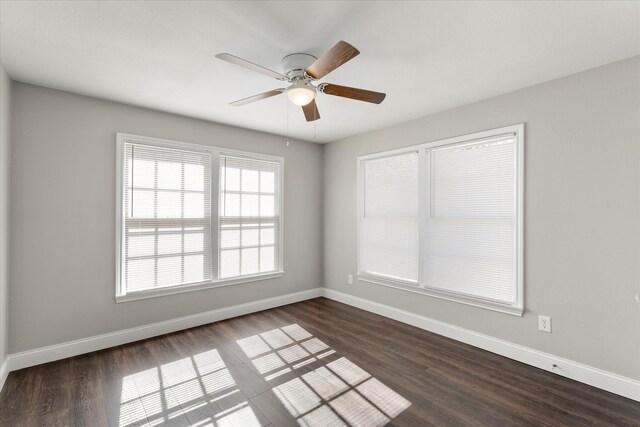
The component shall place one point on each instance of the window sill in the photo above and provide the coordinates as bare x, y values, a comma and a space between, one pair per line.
475, 302
172, 290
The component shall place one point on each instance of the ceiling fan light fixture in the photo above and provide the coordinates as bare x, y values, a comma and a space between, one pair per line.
301, 93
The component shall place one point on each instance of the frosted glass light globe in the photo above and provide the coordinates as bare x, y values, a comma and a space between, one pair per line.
301, 94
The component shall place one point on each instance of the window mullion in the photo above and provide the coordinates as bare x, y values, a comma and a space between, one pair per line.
424, 212
260, 223
242, 223
182, 229
214, 202
155, 215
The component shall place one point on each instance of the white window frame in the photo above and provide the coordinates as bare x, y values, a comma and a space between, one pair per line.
517, 308
120, 292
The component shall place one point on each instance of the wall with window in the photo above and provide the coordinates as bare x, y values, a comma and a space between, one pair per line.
5, 163
581, 210
64, 217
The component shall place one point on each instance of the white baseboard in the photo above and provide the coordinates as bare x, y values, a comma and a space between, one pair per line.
608, 381
595, 377
85, 345
4, 372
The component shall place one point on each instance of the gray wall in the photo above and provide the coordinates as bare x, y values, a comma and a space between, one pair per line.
582, 210
582, 204
63, 216
5, 161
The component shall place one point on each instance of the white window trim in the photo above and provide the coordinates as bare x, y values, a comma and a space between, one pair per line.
216, 152
517, 308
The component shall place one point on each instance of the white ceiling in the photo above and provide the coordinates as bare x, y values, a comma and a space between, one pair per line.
427, 56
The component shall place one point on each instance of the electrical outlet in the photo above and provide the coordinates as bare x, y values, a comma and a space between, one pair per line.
350, 279
544, 323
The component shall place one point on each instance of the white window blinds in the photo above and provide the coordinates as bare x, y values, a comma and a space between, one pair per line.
389, 228
249, 213
471, 228
445, 218
167, 217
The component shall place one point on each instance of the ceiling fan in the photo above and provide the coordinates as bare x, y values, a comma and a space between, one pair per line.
300, 70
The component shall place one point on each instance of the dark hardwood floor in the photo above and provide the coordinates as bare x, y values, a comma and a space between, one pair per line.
315, 363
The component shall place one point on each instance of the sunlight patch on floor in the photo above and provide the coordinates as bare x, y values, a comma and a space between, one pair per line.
239, 416
321, 417
297, 397
390, 402
293, 354
325, 383
311, 381
193, 387
296, 332
348, 371
357, 411
338, 393
253, 346
268, 363
276, 338
314, 345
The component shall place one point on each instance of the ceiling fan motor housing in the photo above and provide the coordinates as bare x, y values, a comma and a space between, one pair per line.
295, 64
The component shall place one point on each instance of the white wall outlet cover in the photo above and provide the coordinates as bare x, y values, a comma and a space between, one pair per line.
544, 323
350, 279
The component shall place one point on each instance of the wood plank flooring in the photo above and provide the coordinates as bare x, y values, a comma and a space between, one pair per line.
314, 363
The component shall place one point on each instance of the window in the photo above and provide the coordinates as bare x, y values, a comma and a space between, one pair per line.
249, 220
167, 217
169, 237
389, 244
445, 219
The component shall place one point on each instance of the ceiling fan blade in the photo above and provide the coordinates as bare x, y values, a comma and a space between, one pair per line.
311, 112
257, 97
250, 65
352, 92
335, 57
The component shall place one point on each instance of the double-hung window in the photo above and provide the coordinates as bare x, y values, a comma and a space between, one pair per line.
192, 217
249, 216
389, 217
167, 217
445, 219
